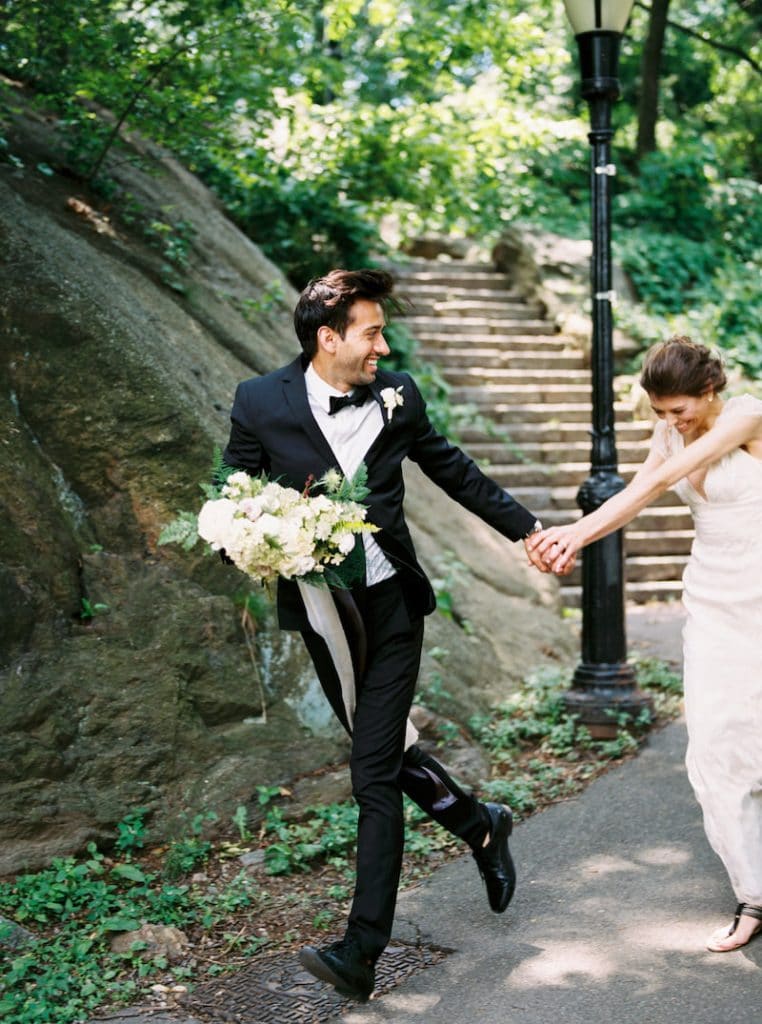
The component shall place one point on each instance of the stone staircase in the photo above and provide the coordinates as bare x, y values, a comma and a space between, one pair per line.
500, 355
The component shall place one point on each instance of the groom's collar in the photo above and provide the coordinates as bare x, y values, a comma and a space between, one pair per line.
320, 390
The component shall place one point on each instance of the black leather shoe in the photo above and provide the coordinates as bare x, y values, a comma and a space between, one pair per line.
342, 965
495, 861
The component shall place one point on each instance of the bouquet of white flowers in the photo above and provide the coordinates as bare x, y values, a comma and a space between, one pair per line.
268, 530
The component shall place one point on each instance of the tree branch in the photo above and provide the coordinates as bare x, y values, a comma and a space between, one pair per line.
152, 74
736, 51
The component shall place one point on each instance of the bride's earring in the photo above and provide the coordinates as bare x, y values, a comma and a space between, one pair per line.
710, 398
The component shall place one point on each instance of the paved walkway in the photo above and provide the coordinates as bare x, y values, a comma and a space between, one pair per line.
617, 889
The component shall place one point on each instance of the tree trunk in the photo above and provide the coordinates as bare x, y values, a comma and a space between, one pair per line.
650, 70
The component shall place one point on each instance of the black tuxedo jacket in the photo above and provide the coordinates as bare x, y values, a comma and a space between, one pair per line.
273, 431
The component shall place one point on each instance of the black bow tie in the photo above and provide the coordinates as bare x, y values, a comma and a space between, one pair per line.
357, 397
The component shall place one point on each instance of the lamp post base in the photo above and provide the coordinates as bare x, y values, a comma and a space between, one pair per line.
605, 698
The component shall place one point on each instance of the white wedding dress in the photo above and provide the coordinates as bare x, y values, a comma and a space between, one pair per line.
722, 644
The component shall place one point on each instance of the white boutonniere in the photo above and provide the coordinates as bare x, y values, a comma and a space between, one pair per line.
392, 397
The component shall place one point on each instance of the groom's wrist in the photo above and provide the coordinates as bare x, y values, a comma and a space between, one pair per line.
535, 529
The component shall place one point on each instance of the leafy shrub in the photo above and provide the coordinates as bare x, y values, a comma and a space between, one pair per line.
728, 313
673, 193
327, 831
666, 269
305, 226
738, 206
76, 905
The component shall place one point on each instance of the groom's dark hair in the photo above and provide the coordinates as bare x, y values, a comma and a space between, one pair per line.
327, 301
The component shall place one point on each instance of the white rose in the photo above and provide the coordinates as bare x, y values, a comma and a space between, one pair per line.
215, 521
345, 542
392, 397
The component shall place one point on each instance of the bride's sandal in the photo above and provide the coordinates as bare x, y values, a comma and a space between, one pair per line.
718, 941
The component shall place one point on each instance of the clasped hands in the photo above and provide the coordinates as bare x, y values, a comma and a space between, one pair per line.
553, 550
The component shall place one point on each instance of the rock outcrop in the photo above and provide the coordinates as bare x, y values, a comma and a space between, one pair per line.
125, 679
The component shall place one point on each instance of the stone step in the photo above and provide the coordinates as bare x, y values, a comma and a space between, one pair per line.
552, 452
436, 344
522, 395
467, 301
637, 592
416, 266
463, 278
658, 519
552, 432
432, 292
541, 499
652, 522
538, 474
501, 356
421, 326
454, 359
643, 568
492, 309
664, 542
545, 412
495, 377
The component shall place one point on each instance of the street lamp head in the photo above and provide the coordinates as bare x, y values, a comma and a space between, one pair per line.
598, 26
598, 15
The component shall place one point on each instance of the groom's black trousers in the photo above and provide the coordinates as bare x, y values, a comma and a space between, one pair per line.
381, 768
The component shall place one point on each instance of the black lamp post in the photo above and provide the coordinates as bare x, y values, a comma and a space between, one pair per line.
604, 684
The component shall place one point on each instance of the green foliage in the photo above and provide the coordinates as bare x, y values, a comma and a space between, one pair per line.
218, 472
653, 674
190, 849
182, 530
89, 609
450, 572
403, 355
173, 240
346, 488
309, 125
306, 227
540, 753
692, 245
434, 694
536, 783
672, 194
256, 604
272, 298
667, 270
532, 715
327, 831
663, 684
75, 906
131, 832
316, 126
536, 717
240, 820
266, 794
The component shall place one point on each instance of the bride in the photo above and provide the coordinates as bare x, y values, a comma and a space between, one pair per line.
710, 451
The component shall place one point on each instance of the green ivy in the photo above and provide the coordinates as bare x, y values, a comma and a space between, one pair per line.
75, 906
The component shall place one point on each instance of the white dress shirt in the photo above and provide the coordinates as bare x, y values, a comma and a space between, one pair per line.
350, 432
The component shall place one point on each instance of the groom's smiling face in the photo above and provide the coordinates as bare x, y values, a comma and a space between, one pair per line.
354, 355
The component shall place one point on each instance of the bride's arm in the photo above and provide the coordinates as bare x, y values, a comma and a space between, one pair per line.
655, 476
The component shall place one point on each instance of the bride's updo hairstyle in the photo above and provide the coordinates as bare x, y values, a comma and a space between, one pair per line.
680, 366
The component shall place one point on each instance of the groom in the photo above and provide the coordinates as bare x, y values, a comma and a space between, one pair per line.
334, 408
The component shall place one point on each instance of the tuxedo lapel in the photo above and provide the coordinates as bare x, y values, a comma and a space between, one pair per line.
375, 390
295, 394
376, 387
